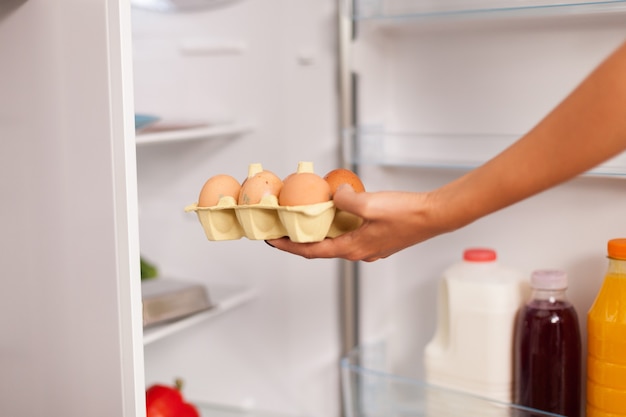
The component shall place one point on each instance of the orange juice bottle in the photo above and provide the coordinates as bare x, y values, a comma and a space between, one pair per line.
606, 340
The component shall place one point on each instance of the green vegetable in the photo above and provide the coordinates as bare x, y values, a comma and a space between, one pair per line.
148, 270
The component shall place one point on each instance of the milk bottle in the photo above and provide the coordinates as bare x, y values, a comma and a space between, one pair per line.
472, 349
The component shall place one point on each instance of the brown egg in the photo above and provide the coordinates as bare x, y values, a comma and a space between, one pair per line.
217, 187
340, 176
258, 186
304, 188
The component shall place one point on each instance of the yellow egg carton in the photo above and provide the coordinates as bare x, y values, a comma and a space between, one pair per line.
267, 220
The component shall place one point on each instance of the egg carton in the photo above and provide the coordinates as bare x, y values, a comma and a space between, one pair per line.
268, 220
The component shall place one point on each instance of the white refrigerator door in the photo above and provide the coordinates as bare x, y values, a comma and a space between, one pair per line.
70, 299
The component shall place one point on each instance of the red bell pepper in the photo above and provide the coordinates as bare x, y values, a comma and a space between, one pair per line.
166, 401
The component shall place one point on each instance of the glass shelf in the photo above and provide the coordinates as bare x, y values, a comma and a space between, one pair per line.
213, 410
370, 146
432, 9
370, 389
223, 130
224, 297
178, 5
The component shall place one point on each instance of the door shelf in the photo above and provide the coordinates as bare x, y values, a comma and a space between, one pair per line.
371, 388
225, 298
369, 146
427, 10
223, 130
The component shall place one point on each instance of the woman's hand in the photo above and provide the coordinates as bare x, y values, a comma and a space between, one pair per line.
392, 221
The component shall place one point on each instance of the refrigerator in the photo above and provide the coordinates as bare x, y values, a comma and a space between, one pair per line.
409, 94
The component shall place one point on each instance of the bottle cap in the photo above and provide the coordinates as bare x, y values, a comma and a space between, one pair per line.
617, 248
479, 255
549, 279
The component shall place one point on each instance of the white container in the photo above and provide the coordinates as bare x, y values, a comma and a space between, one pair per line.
472, 349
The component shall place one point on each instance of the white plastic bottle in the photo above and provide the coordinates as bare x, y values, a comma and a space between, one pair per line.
472, 349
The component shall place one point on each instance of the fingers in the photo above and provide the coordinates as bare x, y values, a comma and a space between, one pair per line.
324, 249
345, 199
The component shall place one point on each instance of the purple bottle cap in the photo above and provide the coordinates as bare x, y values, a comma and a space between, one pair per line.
549, 279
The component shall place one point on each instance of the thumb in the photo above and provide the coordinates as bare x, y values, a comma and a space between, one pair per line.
347, 199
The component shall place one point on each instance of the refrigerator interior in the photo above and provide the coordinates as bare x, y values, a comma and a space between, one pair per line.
436, 96
258, 82
427, 87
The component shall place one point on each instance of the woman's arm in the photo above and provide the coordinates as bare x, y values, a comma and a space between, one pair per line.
584, 130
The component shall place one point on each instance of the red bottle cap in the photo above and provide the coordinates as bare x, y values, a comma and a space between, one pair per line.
479, 255
617, 248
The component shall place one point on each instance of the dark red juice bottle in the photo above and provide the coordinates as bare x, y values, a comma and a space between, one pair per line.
547, 348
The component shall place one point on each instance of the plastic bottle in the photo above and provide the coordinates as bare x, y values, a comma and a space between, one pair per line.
472, 349
606, 339
547, 348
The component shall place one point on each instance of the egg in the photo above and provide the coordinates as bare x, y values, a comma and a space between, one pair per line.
258, 186
304, 188
340, 176
216, 187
